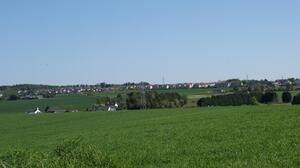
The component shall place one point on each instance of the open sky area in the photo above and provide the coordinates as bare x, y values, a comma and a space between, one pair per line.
116, 41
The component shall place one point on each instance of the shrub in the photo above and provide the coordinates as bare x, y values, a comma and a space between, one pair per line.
296, 100
269, 97
287, 97
258, 96
13, 97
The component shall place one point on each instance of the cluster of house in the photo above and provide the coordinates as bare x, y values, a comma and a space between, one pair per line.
100, 88
67, 90
171, 86
37, 94
284, 82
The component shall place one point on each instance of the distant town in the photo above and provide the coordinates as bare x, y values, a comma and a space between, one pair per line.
31, 91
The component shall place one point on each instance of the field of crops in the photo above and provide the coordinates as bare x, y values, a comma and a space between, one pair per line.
247, 136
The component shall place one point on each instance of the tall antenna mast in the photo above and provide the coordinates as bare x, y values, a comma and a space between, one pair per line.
143, 96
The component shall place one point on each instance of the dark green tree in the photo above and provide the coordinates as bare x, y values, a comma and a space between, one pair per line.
287, 97
269, 97
296, 100
13, 97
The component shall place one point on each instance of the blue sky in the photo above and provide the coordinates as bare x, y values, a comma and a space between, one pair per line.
116, 41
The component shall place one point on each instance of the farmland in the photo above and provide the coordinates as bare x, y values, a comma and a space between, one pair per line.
81, 101
246, 136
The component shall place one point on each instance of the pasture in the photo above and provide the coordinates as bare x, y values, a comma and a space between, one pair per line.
246, 136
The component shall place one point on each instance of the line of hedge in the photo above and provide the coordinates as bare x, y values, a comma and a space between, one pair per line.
227, 100
239, 99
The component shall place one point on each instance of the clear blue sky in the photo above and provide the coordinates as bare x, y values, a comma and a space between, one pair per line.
90, 41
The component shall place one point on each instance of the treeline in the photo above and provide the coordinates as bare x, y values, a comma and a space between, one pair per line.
152, 100
265, 98
253, 98
227, 100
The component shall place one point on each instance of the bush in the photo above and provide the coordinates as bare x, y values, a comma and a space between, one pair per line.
296, 100
269, 97
287, 97
13, 97
258, 96
227, 100
69, 154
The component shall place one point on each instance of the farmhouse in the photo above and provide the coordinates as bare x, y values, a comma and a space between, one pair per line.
37, 111
112, 107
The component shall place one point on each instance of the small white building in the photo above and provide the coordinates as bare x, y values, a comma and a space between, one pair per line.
37, 111
113, 108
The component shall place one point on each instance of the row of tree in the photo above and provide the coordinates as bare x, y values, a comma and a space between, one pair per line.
266, 98
227, 100
287, 97
150, 100
253, 98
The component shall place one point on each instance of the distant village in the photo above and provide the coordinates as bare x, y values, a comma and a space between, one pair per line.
27, 91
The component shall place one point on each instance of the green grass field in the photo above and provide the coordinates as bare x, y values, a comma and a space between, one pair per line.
247, 136
75, 101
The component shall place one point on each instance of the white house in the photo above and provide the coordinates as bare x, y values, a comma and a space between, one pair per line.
113, 108
37, 111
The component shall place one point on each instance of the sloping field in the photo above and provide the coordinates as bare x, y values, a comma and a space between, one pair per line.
255, 136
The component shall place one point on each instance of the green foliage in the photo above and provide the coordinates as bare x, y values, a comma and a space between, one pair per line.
133, 100
104, 100
287, 97
156, 100
258, 96
290, 87
153, 100
227, 100
269, 97
119, 99
296, 100
71, 153
13, 97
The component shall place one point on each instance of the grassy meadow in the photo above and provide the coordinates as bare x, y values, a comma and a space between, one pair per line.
246, 136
